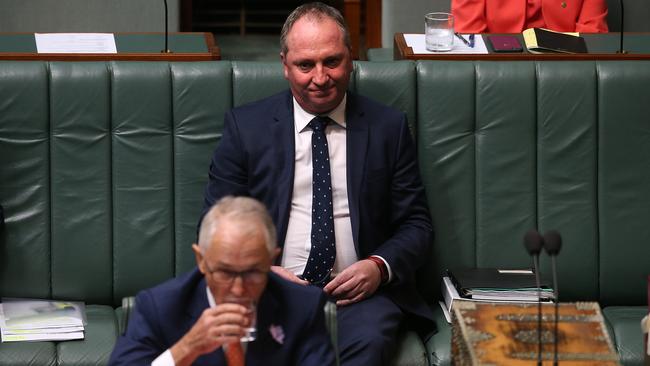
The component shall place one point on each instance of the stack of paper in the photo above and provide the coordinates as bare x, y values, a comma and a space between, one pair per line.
41, 320
493, 285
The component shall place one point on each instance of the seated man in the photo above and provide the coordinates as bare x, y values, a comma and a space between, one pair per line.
339, 175
192, 319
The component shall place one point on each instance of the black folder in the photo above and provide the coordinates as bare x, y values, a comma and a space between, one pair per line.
549, 41
471, 282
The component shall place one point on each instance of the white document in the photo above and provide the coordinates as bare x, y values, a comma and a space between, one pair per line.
417, 43
75, 43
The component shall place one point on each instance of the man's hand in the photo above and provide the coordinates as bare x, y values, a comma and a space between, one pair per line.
219, 325
288, 275
355, 283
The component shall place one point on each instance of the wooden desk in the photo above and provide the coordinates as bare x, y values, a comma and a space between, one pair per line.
130, 47
601, 46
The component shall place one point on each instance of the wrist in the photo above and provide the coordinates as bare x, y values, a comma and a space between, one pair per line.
182, 354
382, 268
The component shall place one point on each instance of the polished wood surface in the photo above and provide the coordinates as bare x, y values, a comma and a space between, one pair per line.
352, 14
604, 47
506, 334
207, 52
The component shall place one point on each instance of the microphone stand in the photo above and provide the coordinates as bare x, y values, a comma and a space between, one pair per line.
553, 244
534, 243
556, 320
539, 311
166, 49
621, 50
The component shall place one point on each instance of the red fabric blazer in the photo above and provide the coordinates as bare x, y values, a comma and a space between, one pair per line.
508, 16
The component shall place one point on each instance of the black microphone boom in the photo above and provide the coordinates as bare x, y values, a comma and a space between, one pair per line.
621, 49
166, 49
553, 244
534, 243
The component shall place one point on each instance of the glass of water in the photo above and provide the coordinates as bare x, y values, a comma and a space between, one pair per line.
250, 332
439, 31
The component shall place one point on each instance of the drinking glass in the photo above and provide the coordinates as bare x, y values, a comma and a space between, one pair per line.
439, 31
250, 331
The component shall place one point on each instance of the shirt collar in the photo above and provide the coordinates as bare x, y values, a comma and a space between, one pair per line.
302, 117
211, 301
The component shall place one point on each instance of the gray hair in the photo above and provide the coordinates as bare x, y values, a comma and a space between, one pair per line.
315, 11
241, 210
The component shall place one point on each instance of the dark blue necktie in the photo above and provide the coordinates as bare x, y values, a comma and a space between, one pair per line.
323, 249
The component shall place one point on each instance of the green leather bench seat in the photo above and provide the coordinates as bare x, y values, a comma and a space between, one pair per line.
103, 165
509, 146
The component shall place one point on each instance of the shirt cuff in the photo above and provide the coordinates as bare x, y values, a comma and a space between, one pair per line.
390, 272
165, 359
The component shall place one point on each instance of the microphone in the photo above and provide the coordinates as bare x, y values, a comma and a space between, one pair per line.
552, 244
534, 243
166, 50
621, 50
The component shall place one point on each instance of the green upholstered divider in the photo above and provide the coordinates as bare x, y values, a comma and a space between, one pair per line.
391, 83
201, 95
25, 188
567, 143
81, 198
505, 181
142, 176
256, 80
624, 181
446, 153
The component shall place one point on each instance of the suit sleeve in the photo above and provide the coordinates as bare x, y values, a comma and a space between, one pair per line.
140, 345
592, 17
469, 16
228, 170
316, 348
406, 249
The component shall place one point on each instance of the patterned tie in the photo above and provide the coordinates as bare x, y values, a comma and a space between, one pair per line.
235, 354
323, 250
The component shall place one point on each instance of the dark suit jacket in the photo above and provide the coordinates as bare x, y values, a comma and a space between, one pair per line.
166, 312
388, 207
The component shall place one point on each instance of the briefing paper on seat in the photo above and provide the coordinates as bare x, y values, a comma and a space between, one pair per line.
417, 43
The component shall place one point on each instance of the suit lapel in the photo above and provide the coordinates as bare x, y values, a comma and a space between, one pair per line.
284, 149
356, 147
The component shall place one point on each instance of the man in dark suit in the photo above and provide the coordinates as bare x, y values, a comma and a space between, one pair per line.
200, 318
373, 195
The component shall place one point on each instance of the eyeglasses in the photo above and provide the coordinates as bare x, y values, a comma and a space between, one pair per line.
224, 276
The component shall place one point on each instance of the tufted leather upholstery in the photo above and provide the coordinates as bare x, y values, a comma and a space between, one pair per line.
103, 165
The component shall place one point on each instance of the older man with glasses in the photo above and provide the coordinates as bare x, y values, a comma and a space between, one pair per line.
230, 308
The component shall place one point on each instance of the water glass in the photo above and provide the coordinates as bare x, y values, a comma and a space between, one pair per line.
251, 331
439, 31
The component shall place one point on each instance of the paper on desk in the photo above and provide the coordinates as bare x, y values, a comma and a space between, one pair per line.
75, 43
417, 43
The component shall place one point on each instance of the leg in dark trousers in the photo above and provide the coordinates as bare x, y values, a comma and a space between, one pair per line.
367, 331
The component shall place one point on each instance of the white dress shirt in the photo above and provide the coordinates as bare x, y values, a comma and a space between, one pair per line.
297, 244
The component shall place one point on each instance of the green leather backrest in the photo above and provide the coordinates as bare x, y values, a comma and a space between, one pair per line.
509, 146
102, 172
103, 165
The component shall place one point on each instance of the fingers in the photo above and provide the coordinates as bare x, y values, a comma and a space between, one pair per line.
355, 283
288, 275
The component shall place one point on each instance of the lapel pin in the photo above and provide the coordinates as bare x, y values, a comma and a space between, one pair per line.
277, 333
